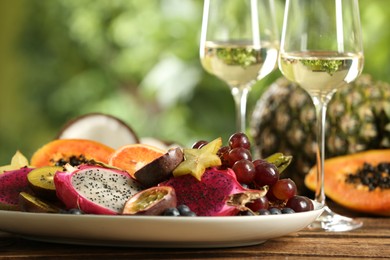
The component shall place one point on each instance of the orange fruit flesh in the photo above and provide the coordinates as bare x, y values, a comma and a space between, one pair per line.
133, 157
65, 148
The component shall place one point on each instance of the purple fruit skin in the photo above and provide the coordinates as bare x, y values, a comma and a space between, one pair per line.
11, 184
208, 196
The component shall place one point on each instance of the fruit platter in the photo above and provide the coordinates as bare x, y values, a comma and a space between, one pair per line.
82, 191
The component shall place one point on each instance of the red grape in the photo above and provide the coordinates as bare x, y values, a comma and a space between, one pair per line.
199, 144
284, 189
239, 140
266, 173
258, 204
237, 154
271, 197
244, 170
300, 204
223, 154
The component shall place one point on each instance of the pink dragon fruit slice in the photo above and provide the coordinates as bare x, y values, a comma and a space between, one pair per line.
217, 194
11, 184
95, 189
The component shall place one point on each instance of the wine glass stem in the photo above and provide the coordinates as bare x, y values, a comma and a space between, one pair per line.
320, 107
240, 95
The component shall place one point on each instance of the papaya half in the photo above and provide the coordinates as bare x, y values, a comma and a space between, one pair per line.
73, 151
346, 187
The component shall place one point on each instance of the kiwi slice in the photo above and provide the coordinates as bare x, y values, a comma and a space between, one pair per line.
41, 181
30, 203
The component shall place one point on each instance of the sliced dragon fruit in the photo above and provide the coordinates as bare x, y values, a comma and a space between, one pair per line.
217, 194
95, 189
11, 184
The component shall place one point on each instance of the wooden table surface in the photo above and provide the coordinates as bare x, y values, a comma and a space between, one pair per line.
372, 241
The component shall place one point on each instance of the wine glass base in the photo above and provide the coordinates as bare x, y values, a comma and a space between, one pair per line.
330, 221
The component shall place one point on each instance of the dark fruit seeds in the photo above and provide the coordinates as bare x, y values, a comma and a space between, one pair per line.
73, 160
372, 176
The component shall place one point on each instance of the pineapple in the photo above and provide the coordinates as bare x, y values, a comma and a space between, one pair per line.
358, 119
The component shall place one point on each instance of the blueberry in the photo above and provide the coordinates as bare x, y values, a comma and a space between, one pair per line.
171, 212
189, 214
183, 209
75, 211
287, 211
246, 213
264, 212
275, 211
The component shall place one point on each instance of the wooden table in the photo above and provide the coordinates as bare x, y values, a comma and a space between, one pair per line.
372, 241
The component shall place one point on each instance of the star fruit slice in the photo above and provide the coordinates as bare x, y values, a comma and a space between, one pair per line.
18, 161
197, 160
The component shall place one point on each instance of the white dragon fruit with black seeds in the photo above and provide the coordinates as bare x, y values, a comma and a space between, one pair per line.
95, 189
217, 194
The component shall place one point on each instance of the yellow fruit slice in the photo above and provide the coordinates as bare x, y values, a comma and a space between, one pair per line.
18, 161
197, 160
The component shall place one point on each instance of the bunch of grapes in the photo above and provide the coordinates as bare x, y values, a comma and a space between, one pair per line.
255, 173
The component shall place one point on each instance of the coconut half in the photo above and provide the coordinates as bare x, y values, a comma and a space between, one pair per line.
163, 145
99, 127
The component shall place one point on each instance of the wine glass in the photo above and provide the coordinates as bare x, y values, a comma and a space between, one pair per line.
239, 45
321, 50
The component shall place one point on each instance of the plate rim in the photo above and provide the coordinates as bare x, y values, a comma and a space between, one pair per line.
215, 223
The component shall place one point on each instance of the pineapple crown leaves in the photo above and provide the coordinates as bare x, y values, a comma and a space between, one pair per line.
196, 161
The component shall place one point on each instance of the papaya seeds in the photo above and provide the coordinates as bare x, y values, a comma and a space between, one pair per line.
345, 187
61, 151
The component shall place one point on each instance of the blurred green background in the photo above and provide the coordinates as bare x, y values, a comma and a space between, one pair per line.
137, 60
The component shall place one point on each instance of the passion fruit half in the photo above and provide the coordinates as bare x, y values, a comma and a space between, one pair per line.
160, 169
152, 201
31, 203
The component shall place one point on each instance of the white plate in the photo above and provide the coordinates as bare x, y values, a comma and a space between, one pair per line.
154, 231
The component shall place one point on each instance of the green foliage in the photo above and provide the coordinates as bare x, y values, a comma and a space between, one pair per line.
137, 60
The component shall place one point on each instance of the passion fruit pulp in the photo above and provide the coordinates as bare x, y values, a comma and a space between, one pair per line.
152, 201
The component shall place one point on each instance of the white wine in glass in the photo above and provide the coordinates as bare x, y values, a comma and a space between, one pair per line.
321, 50
239, 45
